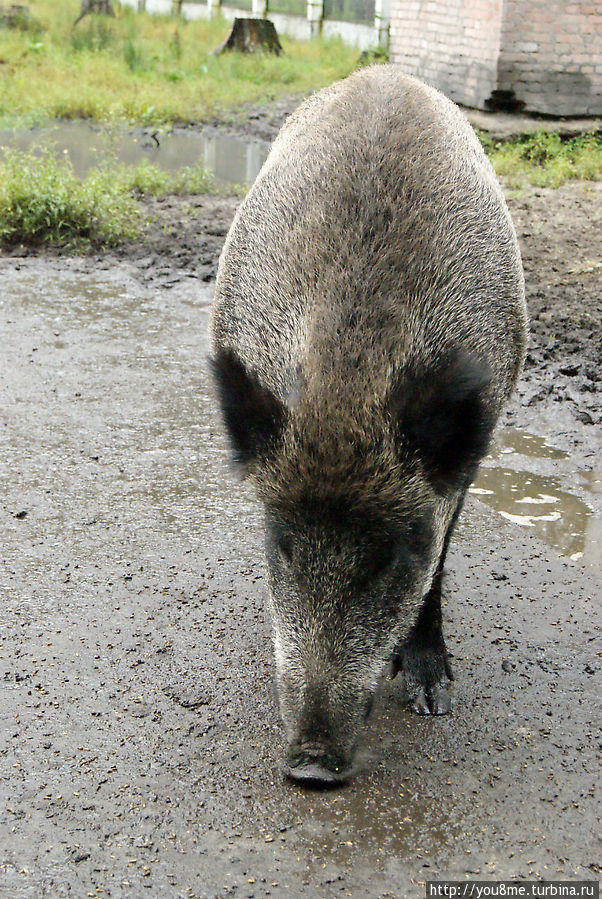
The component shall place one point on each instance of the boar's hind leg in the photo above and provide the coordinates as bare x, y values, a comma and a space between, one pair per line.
423, 657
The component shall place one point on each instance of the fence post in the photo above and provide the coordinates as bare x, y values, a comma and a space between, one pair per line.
382, 19
315, 14
259, 9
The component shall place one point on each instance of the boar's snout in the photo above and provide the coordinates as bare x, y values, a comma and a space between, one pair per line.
316, 763
323, 736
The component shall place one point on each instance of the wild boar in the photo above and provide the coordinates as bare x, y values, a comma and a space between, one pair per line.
369, 323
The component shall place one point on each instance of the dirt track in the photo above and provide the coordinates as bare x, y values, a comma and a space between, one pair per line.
142, 742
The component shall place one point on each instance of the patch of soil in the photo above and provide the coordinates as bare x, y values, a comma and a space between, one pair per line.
559, 233
182, 236
258, 121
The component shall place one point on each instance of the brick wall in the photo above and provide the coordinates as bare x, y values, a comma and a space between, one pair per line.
547, 53
452, 44
551, 55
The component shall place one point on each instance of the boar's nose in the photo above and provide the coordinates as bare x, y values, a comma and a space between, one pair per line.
316, 765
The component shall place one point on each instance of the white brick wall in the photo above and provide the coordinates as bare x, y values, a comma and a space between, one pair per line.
548, 53
559, 77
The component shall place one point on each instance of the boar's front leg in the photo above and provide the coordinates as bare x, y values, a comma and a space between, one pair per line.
423, 657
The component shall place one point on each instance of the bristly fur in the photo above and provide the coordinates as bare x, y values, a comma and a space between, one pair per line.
338, 461
369, 323
374, 244
435, 422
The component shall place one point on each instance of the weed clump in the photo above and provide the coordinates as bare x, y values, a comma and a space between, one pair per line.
373, 56
546, 159
42, 201
94, 35
146, 179
18, 18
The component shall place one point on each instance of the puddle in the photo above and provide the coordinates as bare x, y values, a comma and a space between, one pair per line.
557, 517
541, 502
230, 160
592, 480
510, 441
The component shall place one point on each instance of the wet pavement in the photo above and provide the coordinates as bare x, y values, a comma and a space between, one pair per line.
140, 741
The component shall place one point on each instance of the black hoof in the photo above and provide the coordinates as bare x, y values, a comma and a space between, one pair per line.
427, 678
435, 700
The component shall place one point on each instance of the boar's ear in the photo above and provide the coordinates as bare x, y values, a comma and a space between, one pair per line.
443, 415
253, 415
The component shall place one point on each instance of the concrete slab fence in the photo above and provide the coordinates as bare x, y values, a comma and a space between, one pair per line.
362, 23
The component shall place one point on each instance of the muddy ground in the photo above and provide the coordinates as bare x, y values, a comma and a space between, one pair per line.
140, 737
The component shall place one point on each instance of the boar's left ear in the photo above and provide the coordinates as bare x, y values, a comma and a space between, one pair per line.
443, 414
253, 415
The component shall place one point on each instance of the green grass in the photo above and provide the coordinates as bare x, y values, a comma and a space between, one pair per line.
146, 179
42, 201
546, 160
147, 69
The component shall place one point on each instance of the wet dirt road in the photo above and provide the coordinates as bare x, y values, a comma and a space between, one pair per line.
140, 741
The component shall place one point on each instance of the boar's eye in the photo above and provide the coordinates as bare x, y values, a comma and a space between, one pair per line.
285, 549
382, 558
279, 542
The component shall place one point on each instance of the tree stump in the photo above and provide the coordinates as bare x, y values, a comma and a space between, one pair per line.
102, 7
252, 36
17, 17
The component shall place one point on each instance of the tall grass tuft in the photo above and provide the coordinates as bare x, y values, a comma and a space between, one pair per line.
42, 201
93, 35
147, 179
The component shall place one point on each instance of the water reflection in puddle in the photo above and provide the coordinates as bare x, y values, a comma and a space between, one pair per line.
509, 441
592, 480
541, 502
230, 160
